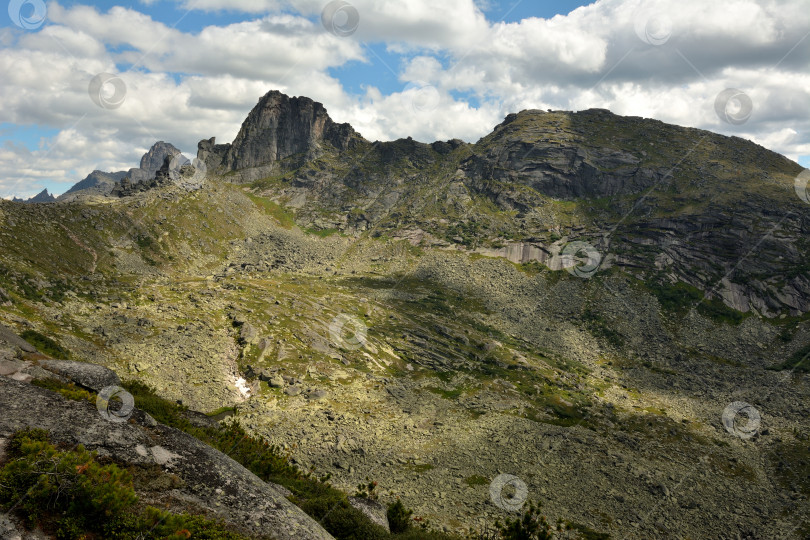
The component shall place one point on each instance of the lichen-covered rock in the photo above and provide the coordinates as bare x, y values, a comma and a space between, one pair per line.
10, 337
91, 376
375, 511
210, 479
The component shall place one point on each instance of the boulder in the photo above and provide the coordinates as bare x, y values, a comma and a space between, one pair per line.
10, 337
375, 511
91, 376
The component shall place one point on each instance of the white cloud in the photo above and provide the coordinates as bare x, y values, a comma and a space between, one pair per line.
186, 86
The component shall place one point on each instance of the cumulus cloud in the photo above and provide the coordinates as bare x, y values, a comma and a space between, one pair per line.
459, 73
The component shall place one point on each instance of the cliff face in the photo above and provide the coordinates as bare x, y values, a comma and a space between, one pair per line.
663, 202
278, 128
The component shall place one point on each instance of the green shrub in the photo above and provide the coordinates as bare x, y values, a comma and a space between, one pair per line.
716, 310
70, 494
476, 480
154, 524
45, 345
341, 519
40, 481
676, 297
68, 390
399, 517
366, 490
532, 525
798, 362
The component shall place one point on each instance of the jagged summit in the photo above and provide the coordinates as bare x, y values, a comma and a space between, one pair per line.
41, 197
278, 128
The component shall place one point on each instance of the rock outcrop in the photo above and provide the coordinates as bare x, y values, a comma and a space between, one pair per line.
151, 162
210, 479
123, 182
175, 169
279, 127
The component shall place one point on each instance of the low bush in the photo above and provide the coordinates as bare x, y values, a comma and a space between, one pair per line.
70, 495
399, 517
46, 345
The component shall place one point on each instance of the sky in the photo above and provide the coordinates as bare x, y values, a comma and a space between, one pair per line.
92, 85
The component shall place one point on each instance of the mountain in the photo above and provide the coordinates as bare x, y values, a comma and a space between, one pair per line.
97, 183
605, 314
41, 197
634, 188
104, 183
279, 129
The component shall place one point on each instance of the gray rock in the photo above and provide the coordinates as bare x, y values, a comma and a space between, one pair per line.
90, 376
375, 511
9, 367
248, 334
316, 395
8, 335
278, 127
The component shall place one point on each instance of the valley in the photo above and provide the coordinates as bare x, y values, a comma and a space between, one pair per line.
410, 313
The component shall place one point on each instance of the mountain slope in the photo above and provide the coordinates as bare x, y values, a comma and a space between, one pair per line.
669, 204
402, 311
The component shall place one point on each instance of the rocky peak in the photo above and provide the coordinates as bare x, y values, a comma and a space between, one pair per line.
41, 197
279, 127
153, 160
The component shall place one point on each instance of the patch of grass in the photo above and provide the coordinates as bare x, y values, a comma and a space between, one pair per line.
284, 217
45, 345
716, 310
68, 390
323, 233
144, 241
602, 328
798, 362
446, 394
419, 468
791, 462
675, 297
476, 480
221, 410
531, 268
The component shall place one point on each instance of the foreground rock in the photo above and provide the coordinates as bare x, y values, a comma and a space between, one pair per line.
211, 481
